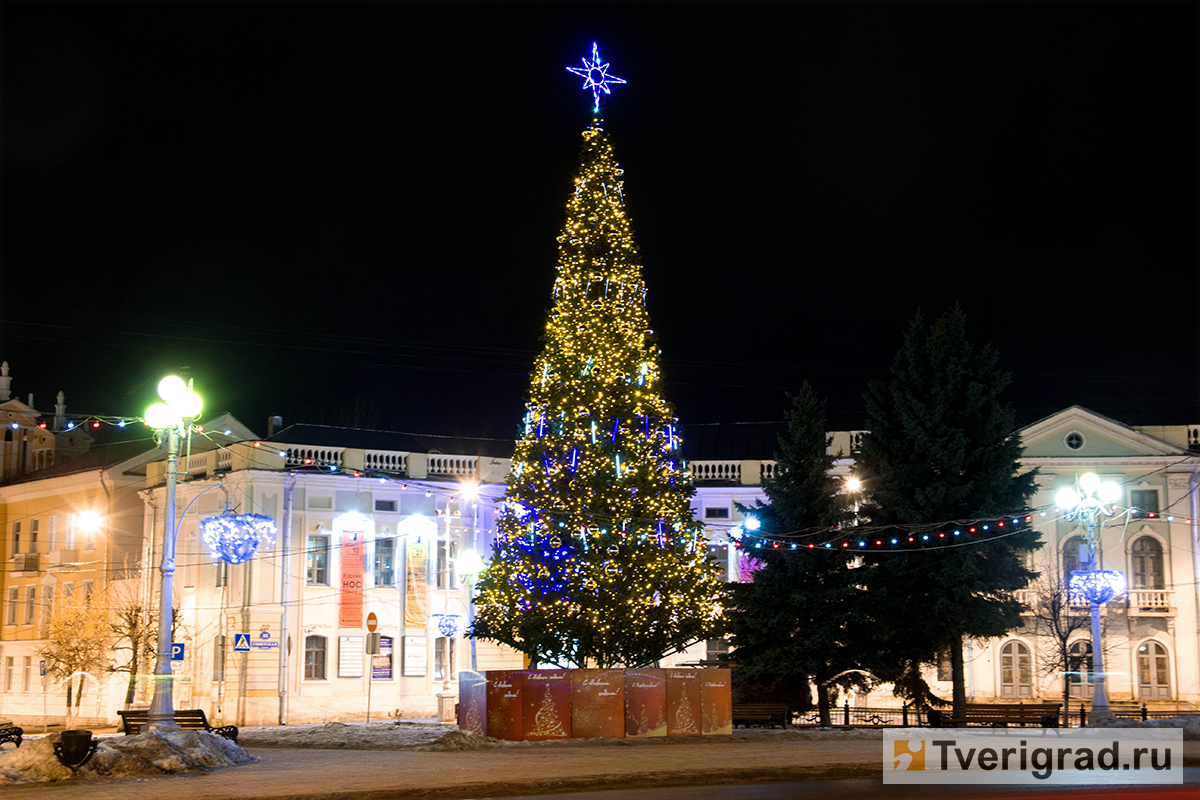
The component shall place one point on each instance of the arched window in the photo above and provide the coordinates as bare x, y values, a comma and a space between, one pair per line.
1147, 558
314, 658
1016, 670
1154, 682
1080, 675
1070, 557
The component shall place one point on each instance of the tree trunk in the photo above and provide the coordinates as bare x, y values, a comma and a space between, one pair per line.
958, 675
133, 673
823, 704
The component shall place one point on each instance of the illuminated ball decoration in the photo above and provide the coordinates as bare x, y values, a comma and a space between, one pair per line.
234, 538
1097, 586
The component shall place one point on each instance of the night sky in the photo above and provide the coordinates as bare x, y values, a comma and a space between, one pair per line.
347, 214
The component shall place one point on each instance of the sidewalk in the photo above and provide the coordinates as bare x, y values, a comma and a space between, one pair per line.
378, 775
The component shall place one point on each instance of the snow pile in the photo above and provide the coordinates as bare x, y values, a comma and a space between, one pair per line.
149, 753
1190, 725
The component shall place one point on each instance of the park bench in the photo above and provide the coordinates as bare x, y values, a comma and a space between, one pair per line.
999, 715
11, 733
761, 714
188, 719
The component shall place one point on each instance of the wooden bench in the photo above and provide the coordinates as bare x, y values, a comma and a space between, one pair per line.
761, 714
999, 715
188, 719
11, 733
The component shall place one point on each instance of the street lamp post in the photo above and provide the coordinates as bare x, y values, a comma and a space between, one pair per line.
1090, 503
469, 566
171, 417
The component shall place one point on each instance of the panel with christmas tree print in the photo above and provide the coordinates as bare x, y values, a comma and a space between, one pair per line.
546, 705
645, 703
596, 561
598, 703
683, 702
472, 702
716, 702
504, 703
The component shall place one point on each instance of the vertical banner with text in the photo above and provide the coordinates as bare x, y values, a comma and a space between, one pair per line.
416, 608
352, 579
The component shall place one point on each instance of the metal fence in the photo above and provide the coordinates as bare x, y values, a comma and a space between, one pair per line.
907, 716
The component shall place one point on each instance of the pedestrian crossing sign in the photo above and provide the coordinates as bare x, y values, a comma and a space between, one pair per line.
241, 642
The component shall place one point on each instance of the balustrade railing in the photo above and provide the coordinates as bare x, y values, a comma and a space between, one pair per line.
716, 470
1150, 599
386, 460
459, 466
308, 456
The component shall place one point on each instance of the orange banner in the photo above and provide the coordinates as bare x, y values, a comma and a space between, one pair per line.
416, 606
352, 579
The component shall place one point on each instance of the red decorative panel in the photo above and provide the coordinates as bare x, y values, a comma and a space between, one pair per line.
472, 702
504, 703
546, 704
683, 702
716, 701
598, 703
645, 703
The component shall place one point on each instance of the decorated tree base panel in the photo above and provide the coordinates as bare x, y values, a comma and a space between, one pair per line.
535, 704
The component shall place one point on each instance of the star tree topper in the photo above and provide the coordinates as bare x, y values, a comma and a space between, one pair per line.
595, 76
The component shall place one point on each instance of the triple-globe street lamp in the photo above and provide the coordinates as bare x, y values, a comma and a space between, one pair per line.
171, 417
1090, 504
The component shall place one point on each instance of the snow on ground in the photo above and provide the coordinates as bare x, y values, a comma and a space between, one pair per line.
1190, 725
146, 754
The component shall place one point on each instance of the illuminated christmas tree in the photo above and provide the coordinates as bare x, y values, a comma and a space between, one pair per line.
597, 560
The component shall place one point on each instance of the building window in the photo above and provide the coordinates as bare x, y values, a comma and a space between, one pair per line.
385, 562
1147, 557
30, 604
9, 668
52, 544
318, 560
1016, 671
72, 521
945, 670
1080, 675
314, 658
68, 597
86, 589
443, 659
718, 556
385, 505
27, 673
446, 553
1074, 440
47, 607
716, 513
33, 535
16, 538
715, 650
1144, 502
1154, 681
10, 613
1075, 554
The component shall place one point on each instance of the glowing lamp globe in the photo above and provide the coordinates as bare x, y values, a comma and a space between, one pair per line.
1067, 498
752, 523
234, 538
172, 387
469, 564
1089, 482
159, 416
1110, 492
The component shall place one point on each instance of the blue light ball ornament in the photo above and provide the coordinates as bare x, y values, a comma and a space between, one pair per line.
234, 538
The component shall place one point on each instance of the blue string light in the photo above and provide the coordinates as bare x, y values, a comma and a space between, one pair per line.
595, 76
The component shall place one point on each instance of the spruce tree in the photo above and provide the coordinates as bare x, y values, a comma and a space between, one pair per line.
597, 559
942, 446
800, 621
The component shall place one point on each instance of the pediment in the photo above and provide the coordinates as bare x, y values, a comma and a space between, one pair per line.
1077, 432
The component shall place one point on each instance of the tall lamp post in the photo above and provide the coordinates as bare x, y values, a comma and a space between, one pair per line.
469, 566
1090, 504
171, 417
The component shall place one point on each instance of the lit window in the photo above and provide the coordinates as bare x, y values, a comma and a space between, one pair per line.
716, 513
10, 614
385, 558
318, 560
443, 659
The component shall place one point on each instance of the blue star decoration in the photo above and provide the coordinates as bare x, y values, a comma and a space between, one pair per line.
595, 76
